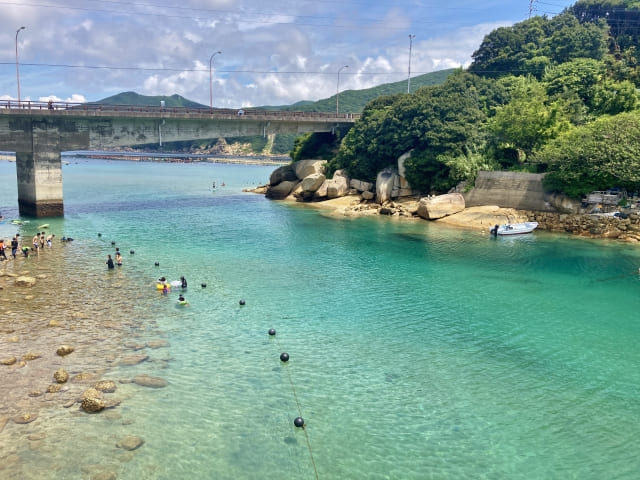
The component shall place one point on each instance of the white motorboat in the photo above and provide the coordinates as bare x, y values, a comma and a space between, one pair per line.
514, 228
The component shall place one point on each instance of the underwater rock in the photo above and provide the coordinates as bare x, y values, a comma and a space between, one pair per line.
149, 381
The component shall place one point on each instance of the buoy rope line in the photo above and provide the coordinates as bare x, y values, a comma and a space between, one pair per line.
295, 396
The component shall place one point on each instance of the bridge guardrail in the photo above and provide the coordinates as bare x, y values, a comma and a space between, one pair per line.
40, 107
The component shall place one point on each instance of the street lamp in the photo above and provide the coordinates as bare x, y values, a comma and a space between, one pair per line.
338, 89
17, 70
211, 81
411, 37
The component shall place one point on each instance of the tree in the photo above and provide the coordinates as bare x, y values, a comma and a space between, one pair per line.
529, 47
601, 155
527, 122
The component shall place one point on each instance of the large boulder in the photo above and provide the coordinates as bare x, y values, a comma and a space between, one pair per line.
304, 168
311, 183
338, 186
384, 185
440, 206
281, 190
282, 174
321, 192
360, 185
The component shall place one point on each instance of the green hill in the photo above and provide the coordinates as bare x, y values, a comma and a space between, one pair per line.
133, 98
354, 101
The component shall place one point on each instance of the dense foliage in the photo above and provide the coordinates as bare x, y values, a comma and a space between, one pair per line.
596, 156
548, 94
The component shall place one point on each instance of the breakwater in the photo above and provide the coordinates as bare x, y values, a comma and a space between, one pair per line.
591, 226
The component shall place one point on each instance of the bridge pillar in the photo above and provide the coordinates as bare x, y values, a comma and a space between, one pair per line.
39, 183
39, 169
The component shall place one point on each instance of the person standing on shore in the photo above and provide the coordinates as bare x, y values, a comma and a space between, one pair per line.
109, 262
2, 254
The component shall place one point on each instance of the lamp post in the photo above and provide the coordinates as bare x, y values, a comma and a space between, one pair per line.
411, 37
211, 80
17, 70
338, 89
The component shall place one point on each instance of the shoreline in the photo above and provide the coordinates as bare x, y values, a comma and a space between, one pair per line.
482, 218
169, 158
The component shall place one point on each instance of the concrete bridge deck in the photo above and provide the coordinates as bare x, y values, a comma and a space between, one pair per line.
38, 132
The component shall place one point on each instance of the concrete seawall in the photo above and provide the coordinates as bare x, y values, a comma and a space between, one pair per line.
522, 191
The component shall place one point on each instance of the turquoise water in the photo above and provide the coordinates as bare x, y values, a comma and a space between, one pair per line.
416, 351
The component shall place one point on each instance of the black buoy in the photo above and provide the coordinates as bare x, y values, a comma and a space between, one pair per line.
99, 234
131, 252
203, 285
157, 264
272, 331
242, 302
298, 422
284, 357
113, 243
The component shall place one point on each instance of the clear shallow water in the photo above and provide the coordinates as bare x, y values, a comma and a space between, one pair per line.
417, 351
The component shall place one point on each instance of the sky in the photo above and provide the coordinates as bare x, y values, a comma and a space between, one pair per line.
272, 52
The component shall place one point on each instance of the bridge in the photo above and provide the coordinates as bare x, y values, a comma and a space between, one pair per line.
39, 132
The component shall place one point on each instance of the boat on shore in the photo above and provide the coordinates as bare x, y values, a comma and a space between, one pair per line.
514, 228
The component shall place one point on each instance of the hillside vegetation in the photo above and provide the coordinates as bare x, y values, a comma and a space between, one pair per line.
556, 95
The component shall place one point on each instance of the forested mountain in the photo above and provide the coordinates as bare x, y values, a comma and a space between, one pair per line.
556, 95
133, 98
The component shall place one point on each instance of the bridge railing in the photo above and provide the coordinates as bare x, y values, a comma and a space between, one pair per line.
40, 107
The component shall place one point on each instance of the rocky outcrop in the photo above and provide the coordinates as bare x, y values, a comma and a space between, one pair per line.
591, 226
432, 208
338, 186
384, 185
304, 168
281, 190
283, 174
310, 185
360, 185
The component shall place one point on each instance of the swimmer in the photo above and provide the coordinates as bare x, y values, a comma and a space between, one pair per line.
182, 301
183, 283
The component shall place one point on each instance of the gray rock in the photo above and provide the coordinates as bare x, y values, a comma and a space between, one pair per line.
149, 381
338, 186
281, 190
360, 185
312, 182
282, 174
384, 185
304, 168
133, 359
130, 442
440, 206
